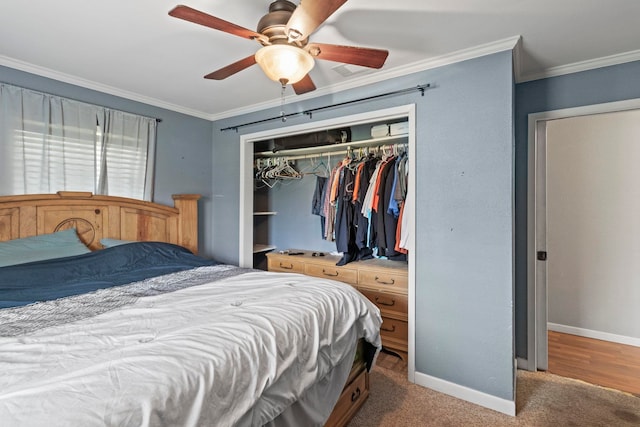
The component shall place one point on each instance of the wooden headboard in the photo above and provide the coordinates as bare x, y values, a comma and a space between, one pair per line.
97, 217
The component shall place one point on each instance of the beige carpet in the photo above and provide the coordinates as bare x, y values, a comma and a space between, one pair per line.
542, 400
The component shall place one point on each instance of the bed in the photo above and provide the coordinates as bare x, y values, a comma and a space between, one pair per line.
139, 330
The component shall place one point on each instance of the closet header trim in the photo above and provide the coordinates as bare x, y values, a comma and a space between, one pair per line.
283, 117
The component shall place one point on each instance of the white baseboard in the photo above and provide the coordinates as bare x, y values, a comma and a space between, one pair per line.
465, 393
522, 363
588, 333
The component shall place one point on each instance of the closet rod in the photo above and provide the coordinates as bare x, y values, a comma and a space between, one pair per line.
327, 153
310, 112
327, 149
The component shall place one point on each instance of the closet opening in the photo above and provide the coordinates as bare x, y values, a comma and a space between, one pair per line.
280, 171
315, 192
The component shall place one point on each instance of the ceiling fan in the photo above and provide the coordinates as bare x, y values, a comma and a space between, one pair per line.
286, 55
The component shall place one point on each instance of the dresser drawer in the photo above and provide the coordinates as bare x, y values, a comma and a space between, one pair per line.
352, 398
394, 333
333, 272
394, 305
288, 264
383, 279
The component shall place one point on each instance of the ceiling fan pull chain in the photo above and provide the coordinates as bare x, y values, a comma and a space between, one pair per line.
282, 116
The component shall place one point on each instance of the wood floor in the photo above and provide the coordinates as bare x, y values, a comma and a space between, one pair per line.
597, 362
594, 361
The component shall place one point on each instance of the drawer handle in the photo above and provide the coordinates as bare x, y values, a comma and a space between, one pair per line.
329, 274
383, 301
355, 395
289, 267
393, 329
377, 279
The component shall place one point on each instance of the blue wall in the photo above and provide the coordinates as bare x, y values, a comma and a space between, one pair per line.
464, 273
464, 289
184, 150
292, 201
607, 84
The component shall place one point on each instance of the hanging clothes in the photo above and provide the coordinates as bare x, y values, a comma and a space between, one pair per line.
363, 204
393, 203
317, 202
399, 189
397, 247
406, 233
387, 223
365, 173
329, 205
345, 227
400, 195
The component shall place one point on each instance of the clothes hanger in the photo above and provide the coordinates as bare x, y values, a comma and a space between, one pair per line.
325, 168
286, 171
318, 169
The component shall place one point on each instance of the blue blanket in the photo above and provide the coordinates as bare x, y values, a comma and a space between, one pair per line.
61, 277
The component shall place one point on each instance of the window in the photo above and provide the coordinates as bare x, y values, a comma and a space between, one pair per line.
49, 144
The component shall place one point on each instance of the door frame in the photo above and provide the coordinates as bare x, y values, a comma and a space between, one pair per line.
537, 349
247, 141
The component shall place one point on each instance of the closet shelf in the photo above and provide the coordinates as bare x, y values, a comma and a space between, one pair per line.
259, 248
328, 149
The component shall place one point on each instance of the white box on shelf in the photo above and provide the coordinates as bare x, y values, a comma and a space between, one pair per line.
379, 131
401, 128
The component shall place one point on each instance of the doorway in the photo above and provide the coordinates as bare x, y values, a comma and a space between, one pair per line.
582, 233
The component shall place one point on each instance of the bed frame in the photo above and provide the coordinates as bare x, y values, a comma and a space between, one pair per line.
96, 217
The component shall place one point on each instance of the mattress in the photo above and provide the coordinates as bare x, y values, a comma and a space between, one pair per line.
205, 345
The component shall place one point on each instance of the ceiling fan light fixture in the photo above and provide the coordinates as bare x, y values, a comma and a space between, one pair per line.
284, 63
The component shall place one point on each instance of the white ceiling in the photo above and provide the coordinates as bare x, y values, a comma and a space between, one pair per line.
134, 49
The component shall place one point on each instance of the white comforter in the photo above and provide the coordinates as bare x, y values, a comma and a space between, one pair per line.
205, 355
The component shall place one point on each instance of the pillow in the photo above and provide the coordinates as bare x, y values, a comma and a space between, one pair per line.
108, 243
45, 246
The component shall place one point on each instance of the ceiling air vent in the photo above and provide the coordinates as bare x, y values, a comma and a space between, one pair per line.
348, 70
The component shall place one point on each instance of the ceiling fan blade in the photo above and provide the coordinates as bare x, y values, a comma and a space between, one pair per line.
303, 86
231, 69
365, 57
308, 16
197, 17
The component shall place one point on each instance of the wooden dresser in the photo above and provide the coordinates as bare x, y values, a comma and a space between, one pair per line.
384, 282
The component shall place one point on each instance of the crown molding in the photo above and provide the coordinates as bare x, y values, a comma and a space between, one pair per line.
517, 60
512, 43
88, 84
577, 67
430, 63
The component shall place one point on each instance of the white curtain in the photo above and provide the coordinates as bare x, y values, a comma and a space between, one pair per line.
49, 144
125, 138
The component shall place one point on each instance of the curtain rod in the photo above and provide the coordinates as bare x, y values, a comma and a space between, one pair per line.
157, 119
310, 112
